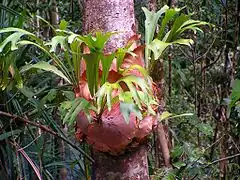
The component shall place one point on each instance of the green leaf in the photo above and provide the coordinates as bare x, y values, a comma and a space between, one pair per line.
109, 97
8, 66
205, 128
69, 95
126, 97
17, 76
46, 67
97, 42
148, 101
169, 15
187, 42
27, 91
151, 22
179, 164
176, 26
100, 97
92, 69
158, 47
70, 109
73, 37
101, 39
9, 134
141, 69
170, 175
235, 95
128, 108
105, 94
106, 61
57, 40
150, 27
63, 25
176, 152
129, 80
134, 92
120, 54
181, 115
52, 94
75, 46
82, 106
192, 25
12, 29
166, 115
13, 38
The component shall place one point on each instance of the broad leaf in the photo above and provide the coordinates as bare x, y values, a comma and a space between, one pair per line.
151, 22
127, 109
63, 25
104, 95
150, 27
57, 40
92, 69
187, 42
70, 109
97, 42
101, 39
8, 67
120, 54
6, 135
46, 67
189, 25
14, 37
176, 26
235, 95
158, 46
106, 61
169, 15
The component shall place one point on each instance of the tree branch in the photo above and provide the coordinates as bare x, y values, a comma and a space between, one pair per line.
223, 159
46, 129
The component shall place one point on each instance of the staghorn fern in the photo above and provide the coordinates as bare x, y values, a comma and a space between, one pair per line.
180, 23
66, 51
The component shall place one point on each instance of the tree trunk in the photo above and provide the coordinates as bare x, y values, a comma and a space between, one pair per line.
115, 16
172, 3
110, 16
132, 165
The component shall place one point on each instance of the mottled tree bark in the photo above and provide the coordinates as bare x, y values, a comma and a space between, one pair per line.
54, 15
172, 3
110, 16
118, 16
129, 166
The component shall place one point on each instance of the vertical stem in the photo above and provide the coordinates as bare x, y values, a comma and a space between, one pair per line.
63, 170
195, 78
54, 15
170, 77
224, 93
236, 40
72, 9
37, 20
